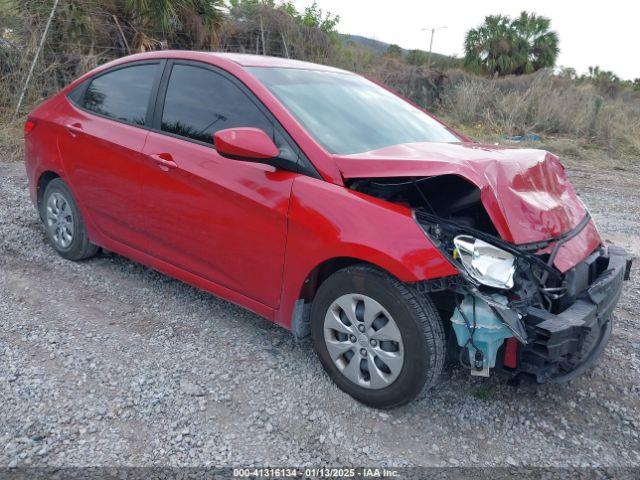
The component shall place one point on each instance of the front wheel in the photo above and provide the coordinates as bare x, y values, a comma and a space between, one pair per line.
380, 340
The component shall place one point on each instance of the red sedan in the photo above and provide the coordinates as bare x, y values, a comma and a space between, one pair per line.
333, 207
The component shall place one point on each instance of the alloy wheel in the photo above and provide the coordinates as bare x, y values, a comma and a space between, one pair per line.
363, 341
59, 218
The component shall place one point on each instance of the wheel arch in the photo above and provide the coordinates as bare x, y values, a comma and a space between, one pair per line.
307, 290
41, 185
324, 270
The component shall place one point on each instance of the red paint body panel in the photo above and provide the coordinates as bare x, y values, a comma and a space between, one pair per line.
328, 221
221, 219
253, 234
525, 192
188, 277
103, 161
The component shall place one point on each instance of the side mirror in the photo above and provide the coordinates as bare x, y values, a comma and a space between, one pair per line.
245, 143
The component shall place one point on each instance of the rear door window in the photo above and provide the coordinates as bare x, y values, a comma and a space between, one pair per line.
199, 102
122, 94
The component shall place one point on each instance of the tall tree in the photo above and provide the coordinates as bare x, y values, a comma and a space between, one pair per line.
314, 17
200, 20
503, 46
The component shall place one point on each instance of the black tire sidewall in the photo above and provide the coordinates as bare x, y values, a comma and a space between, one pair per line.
80, 245
417, 361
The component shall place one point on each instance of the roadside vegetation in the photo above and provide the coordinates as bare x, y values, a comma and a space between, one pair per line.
505, 85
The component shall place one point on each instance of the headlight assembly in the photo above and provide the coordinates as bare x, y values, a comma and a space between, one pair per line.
489, 265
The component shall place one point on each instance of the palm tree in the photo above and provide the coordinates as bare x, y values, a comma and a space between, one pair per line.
502, 46
541, 42
198, 20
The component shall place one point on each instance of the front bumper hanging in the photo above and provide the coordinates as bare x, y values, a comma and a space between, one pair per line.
562, 346
559, 322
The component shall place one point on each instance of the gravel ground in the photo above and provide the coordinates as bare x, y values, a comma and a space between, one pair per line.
106, 362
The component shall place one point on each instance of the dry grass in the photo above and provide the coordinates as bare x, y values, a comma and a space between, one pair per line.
549, 106
577, 153
11, 140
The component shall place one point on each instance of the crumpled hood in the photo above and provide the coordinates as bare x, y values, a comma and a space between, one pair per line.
525, 192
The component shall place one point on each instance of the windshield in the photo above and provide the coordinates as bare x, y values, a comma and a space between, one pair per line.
347, 113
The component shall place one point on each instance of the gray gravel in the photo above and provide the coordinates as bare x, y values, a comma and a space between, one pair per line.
106, 362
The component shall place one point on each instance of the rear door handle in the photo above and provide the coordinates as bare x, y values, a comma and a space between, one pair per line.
74, 129
164, 160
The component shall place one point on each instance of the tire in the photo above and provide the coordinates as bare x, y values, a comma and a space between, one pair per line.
421, 341
63, 223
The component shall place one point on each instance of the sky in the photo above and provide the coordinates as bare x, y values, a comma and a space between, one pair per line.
591, 33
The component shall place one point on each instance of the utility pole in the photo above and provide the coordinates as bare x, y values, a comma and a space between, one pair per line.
35, 59
433, 31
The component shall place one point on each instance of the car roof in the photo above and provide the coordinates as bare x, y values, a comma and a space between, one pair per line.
241, 59
248, 60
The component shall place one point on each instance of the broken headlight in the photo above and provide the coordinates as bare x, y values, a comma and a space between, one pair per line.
489, 265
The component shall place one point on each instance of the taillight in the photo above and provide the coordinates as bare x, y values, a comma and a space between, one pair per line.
28, 127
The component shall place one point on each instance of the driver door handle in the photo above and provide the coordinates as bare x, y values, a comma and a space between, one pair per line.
164, 160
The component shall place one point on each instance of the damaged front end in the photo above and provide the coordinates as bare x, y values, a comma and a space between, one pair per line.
553, 325
510, 306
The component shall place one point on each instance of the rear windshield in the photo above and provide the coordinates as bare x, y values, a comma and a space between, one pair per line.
347, 113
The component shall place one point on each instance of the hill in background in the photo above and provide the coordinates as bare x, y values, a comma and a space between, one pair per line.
380, 48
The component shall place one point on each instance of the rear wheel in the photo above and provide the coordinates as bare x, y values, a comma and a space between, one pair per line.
64, 225
380, 340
